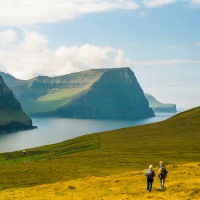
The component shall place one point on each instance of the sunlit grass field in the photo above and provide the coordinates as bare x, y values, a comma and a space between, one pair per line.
183, 182
109, 165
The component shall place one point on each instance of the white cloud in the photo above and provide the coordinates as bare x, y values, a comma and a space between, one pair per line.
165, 62
195, 2
155, 3
121, 60
177, 46
31, 12
31, 56
7, 37
174, 84
33, 41
197, 44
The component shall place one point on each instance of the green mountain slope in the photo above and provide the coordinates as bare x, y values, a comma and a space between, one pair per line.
99, 93
175, 141
12, 118
42, 94
160, 107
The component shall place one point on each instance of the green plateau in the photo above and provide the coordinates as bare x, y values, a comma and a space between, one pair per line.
175, 141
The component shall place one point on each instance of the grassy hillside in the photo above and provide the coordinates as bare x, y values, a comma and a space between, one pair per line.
126, 186
175, 141
7, 116
58, 91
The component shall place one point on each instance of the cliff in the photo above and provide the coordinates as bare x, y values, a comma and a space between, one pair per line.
160, 107
98, 93
12, 118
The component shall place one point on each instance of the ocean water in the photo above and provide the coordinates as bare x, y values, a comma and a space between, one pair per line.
54, 130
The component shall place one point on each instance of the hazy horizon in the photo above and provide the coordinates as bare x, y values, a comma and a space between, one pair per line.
158, 39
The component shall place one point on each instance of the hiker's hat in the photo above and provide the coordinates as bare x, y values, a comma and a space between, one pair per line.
150, 166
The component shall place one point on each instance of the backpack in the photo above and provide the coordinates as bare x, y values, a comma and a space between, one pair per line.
150, 175
164, 172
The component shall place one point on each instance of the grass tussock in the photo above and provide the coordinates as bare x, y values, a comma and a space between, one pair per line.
183, 183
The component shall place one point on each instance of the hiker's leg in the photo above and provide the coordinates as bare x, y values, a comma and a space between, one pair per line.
163, 182
151, 185
147, 184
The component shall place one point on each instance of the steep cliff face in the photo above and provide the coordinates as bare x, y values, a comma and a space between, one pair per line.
99, 93
160, 107
12, 118
7, 99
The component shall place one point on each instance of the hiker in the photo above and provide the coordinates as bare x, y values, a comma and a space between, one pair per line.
150, 174
162, 174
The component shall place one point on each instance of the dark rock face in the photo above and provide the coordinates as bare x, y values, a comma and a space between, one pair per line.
14, 126
171, 109
100, 94
12, 117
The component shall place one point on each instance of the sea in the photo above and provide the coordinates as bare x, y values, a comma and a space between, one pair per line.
54, 130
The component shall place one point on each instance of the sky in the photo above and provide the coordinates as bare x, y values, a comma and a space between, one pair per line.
158, 39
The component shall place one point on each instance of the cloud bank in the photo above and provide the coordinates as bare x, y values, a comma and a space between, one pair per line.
31, 56
31, 12
22, 13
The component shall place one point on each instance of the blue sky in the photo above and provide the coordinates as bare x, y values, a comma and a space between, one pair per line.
158, 40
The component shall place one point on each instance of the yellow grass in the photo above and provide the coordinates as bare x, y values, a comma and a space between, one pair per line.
183, 183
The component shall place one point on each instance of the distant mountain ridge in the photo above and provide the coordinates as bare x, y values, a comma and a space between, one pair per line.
160, 107
97, 93
12, 118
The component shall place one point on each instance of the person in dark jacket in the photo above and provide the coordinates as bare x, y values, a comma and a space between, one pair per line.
162, 174
150, 174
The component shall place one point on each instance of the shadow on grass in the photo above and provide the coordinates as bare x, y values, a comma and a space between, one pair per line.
160, 190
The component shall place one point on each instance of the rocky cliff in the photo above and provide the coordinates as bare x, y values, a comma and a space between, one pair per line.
12, 118
100, 93
160, 107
